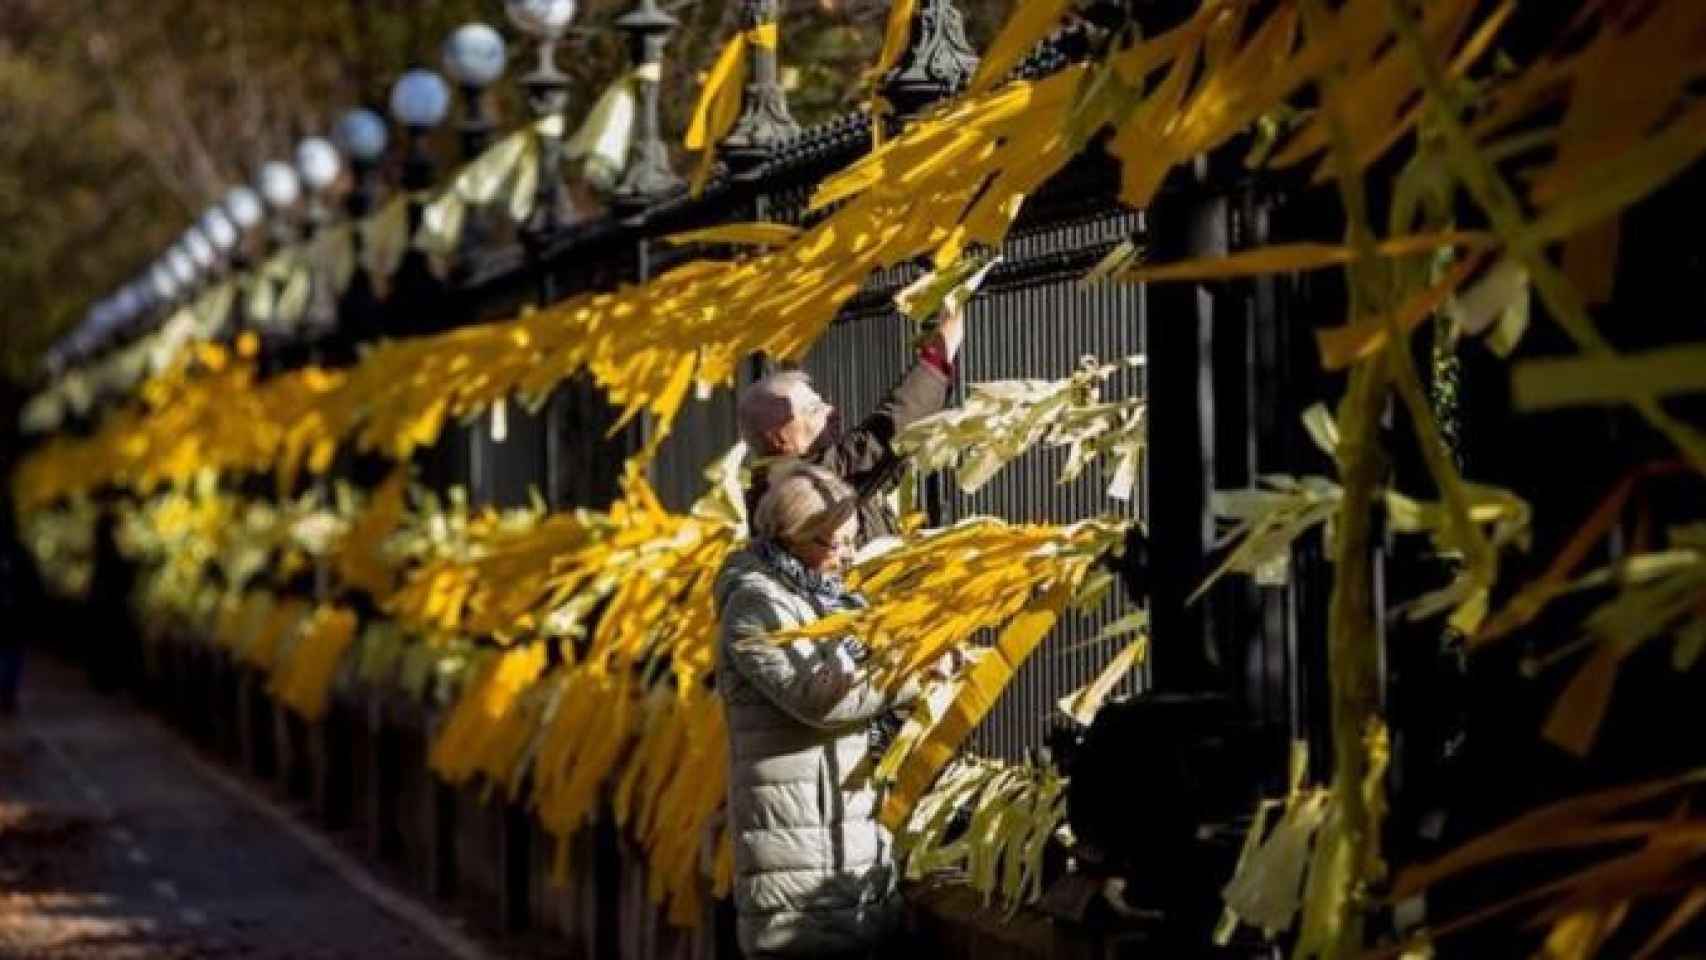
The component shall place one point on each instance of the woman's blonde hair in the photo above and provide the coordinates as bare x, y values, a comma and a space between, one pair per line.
803, 501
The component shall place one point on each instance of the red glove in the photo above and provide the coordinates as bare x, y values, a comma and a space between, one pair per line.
934, 354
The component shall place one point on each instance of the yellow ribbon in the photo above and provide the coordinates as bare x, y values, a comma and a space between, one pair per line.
894, 46
720, 100
880, 110
894, 41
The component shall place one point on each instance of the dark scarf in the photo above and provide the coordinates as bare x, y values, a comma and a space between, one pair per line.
826, 592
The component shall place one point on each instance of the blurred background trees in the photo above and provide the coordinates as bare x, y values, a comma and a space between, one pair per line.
121, 120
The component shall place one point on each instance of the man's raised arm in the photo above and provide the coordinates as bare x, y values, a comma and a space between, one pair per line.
865, 455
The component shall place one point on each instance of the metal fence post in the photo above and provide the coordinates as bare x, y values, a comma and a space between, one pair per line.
1186, 224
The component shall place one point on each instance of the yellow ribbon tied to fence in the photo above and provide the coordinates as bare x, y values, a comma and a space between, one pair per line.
719, 102
894, 39
894, 47
601, 143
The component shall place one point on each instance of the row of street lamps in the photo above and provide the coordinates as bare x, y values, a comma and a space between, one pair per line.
474, 57
937, 61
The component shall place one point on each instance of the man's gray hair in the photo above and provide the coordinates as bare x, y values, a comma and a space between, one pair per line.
804, 500
767, 406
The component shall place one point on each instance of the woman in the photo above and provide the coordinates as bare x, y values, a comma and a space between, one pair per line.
814, 873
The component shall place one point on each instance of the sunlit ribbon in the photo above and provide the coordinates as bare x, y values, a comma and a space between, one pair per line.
720, 100
894, 41
894, 47
601, 143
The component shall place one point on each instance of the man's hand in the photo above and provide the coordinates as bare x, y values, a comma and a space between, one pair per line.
952, 330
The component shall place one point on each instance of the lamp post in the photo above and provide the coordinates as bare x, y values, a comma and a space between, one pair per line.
764, 118
163, 283
183, 271
281, 188
243, 205
363, 136
145, 302
201, 251
547, 92
133, 302
130, 304
132, 307
319, 165
419, 101
474, 58
112, 319
99, 319
221, 234
217, 227
201, 254
649, 175
241, 208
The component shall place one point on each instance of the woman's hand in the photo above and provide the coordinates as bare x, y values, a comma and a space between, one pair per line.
948, 665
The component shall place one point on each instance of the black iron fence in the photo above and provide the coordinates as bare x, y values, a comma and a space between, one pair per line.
1213, 375
1226, 365
1036, 320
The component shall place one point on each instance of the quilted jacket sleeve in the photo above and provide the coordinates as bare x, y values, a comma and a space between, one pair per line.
815, 682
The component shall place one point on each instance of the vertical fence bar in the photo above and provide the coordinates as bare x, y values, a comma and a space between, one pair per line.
1181, 383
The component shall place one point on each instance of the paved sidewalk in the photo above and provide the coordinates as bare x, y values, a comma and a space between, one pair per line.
117, 842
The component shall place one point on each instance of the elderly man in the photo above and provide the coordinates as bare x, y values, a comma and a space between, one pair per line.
782, 416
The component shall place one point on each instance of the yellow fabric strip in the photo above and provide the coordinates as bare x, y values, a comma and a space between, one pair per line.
756, 234
727, 76
894, 41
720, 100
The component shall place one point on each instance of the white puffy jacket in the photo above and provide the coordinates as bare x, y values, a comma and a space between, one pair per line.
814, 870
